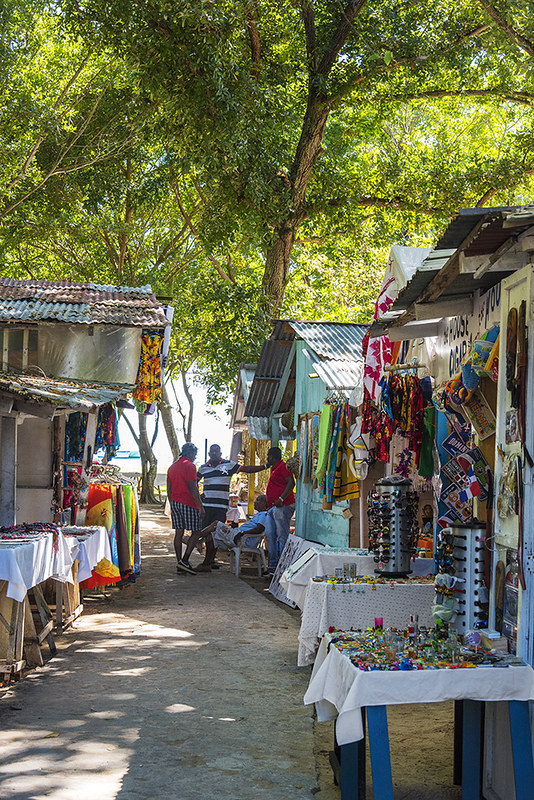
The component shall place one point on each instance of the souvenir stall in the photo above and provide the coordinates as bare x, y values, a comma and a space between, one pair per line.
477, 469
94, 338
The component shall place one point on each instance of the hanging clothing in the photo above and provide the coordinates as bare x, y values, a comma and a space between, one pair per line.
107, 430
330, 473
101, 511
75, 432
148, 381
346, 484
325, 437
426, 455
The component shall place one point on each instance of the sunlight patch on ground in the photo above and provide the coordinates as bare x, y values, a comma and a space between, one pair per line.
178, 708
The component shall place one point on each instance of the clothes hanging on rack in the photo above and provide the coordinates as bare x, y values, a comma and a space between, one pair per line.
75, 432
107, 430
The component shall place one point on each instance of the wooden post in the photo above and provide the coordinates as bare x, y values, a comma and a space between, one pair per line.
8, 471
251, 477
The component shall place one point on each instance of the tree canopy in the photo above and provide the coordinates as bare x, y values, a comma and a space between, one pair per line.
248, 157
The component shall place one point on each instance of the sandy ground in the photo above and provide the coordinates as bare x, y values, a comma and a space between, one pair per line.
187, 687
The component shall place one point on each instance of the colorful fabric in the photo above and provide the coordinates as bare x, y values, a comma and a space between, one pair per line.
346, 484
101, 511
75, 432
324, 438
330, 474
426, 455
148, 381
107, 430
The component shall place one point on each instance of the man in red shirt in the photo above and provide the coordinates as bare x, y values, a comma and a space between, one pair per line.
186, 505
281, 501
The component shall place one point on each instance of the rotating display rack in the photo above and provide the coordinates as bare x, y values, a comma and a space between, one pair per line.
460, 554
393, 527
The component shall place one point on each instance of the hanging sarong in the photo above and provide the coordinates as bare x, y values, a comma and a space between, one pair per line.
346, 484
330, 473
325, 436
100, 511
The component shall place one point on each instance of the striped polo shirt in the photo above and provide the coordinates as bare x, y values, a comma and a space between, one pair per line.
217, 482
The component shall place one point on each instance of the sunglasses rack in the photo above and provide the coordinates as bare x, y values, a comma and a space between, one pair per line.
460, 553
393, 526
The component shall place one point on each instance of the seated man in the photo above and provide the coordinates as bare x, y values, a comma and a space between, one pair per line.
219, 535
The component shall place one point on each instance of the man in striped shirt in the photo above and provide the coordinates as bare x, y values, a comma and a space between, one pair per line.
216, 475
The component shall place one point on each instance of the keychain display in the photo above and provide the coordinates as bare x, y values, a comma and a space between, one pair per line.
393, 526
461, 597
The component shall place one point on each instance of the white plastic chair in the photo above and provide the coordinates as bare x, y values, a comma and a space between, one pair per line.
257, 552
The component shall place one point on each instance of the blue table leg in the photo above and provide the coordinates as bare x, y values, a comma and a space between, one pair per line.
377, 726
521, 749
348, 771
472, 750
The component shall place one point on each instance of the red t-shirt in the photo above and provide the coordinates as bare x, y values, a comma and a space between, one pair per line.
277, 483
178, 476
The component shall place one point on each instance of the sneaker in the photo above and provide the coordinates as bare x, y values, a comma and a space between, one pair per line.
203, 568
214, 565
186, 567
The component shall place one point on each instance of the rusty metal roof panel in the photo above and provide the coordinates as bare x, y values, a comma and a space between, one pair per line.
62, 393
89, 303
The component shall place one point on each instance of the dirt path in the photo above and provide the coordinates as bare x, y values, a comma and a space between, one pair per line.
180, 687
186, 687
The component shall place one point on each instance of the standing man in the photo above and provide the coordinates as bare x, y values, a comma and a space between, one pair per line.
186, 505
216, 475
281, 500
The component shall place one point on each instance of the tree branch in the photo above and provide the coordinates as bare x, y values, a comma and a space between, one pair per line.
481, 202
339, 38
509, 30
524, 98
347, 88
255, 44
308, 18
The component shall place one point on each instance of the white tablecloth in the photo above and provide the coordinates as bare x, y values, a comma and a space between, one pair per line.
89, 550
326, 606
339, 689
24, 564
326, 560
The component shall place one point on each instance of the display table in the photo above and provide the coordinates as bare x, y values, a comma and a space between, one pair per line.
26, 562
340, 690
325, 561
356, 606
88, 546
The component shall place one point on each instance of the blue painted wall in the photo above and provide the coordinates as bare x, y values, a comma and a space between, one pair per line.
311, 521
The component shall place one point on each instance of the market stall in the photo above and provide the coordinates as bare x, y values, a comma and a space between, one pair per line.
360, 604
71, 353
366, 673
337, 562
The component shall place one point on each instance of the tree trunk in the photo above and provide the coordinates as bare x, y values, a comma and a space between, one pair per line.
309, 149
188, 421
149, 464
168, 423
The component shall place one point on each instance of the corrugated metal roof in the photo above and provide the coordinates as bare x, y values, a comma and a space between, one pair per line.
89, 303
485, 225
336, 374
61, 393
337, 348
331, 340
